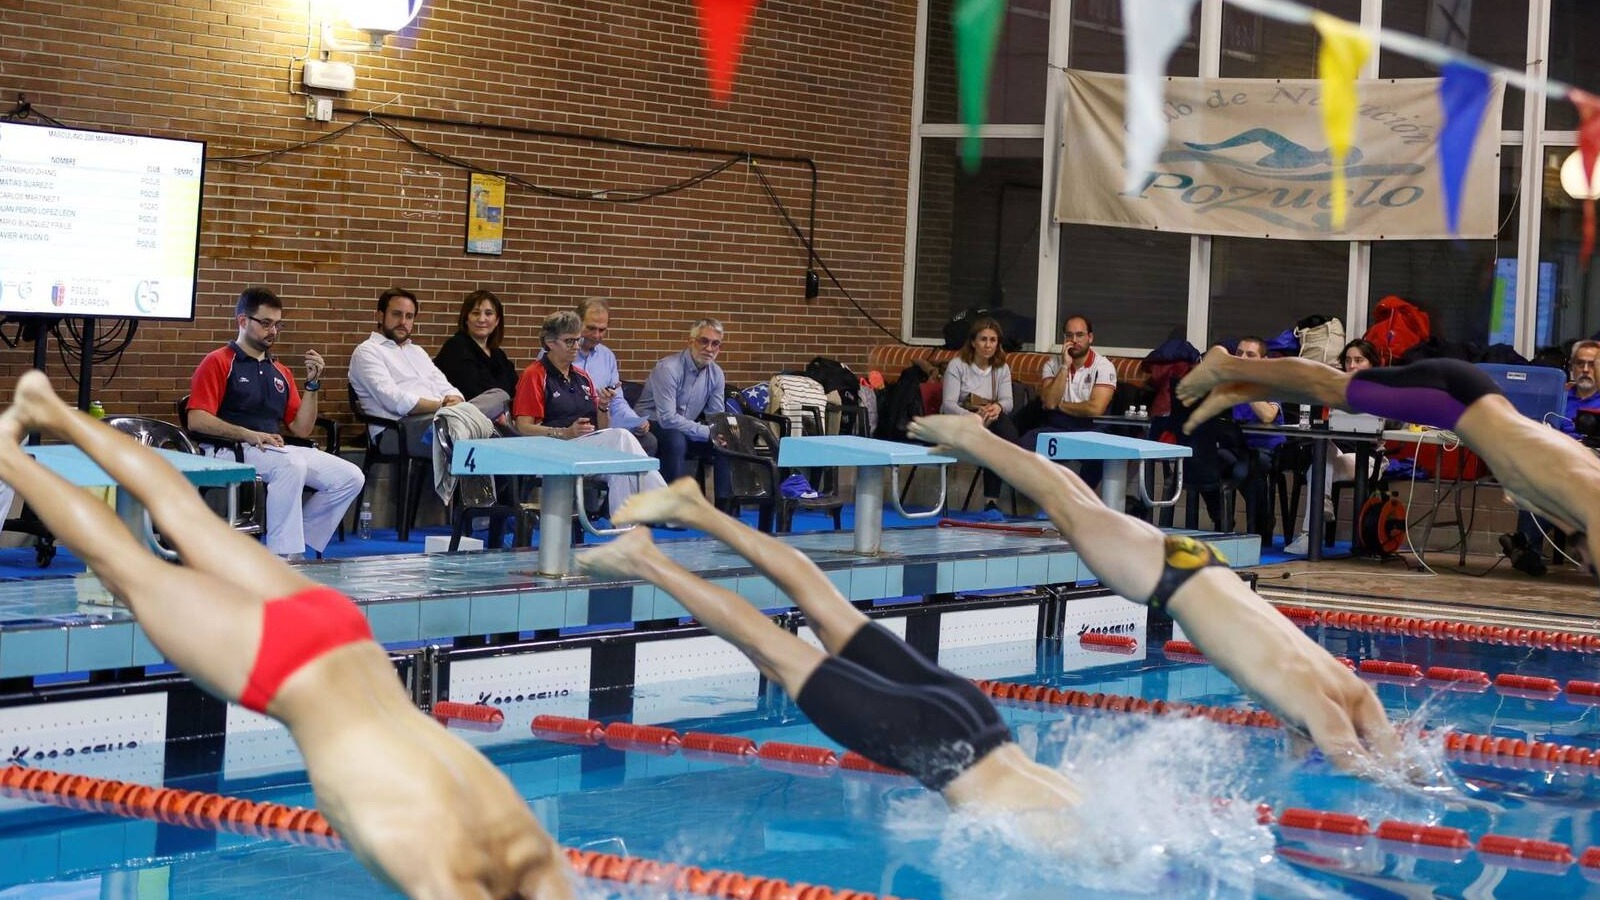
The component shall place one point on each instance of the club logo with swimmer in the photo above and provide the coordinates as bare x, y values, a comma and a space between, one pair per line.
147, 296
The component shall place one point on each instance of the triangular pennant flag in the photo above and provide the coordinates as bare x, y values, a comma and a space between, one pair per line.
977, 33
1588, 151
723, 26
1344, 50
1152, 29
1464, 94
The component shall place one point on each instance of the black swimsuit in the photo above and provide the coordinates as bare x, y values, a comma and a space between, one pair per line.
1184, 557
884, 700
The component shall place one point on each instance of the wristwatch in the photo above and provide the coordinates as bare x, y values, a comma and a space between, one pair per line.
314, 385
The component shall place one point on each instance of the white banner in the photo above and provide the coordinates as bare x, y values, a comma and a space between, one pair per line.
1248, 158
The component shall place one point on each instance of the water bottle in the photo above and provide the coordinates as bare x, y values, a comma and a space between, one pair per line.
1305, 417
1143, 413
97, 410
364, 521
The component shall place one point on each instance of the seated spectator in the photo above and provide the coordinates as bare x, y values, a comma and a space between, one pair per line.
683, 389
241, 392
471, 359
1524, 546
1077, 387
1248, 463
557, 399
1341, 466
978, 383
597, 359
393, 377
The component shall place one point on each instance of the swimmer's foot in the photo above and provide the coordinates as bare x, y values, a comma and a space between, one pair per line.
1219, 400
680, 502
629, 556
1213, 370
954, 435
34, 407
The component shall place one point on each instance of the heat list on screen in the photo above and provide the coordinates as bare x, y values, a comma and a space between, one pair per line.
98, 224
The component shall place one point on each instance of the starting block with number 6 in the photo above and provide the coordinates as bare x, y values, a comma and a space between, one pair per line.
1080, 445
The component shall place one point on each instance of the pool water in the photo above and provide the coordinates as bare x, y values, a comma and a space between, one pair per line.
1169, 805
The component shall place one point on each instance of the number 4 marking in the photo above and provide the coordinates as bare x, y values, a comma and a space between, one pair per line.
471, 465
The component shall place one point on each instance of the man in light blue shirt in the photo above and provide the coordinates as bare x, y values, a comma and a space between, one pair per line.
682, 389
595, 358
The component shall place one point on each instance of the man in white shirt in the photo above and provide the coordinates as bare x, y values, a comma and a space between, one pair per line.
1077, 387
394, 377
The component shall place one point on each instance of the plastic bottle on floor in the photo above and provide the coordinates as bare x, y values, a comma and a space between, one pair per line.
364, 521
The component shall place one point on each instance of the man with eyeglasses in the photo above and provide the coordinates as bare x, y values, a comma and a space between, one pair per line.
1077, 387
241, 392
1583, 401
597, 359
683, 389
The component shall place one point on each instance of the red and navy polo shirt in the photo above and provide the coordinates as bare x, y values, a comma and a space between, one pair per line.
547, 398
258, 394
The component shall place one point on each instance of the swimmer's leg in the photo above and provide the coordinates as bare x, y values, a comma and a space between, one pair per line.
1222, 379
779, 655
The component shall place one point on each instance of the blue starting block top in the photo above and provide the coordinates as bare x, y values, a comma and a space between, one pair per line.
202, 471
852, 450
542, 456
1095, 445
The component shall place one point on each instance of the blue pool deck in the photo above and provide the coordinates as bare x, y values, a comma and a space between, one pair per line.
52, 626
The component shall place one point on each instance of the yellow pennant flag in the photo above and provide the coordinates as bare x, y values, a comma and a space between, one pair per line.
1344, 50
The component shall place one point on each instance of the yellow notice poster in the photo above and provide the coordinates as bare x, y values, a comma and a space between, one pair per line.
486, 208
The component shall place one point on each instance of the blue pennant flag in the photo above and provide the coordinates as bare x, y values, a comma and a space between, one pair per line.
1464, 94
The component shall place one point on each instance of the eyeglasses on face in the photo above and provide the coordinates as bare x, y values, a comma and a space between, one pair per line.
713, 343
568, 342
268, 324
1584, 363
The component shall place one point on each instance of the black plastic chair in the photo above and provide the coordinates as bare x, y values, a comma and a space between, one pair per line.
461, 515
752, 453
411, 472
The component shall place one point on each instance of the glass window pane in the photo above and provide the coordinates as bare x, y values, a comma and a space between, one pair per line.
1097, 45
977, 233
1133, 284
1017, 84
1569, 298
1489, 30
1257, 47
1460, 284
1574, 29
1261, 286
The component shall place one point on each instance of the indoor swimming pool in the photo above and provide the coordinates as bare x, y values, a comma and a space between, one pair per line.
1172, 803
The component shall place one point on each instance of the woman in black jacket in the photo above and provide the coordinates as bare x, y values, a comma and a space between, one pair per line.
472, 358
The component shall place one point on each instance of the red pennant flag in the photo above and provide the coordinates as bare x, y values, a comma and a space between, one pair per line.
1589, 150
723, 25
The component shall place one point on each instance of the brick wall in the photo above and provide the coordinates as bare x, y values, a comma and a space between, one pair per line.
330, 226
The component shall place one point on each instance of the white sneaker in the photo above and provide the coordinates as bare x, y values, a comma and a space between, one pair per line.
1300, 546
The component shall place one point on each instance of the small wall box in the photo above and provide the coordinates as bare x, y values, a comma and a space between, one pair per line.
329, 76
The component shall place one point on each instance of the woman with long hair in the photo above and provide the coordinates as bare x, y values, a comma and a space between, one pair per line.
978, 383
471, 358
1357, 356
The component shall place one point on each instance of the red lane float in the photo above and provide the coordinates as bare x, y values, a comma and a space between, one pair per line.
705, 882
1465, 676
1426, 835
1584, 688
1526, 682
1450, 630
778, 751
718, 744
1317, 820
1181, 648
1390, 668
1115, 643
1524, 848
641, 735
567, 729
855, 762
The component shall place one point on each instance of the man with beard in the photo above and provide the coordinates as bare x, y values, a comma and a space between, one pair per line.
394, 377
1583, 396
1077, 387
681, 392
241, 392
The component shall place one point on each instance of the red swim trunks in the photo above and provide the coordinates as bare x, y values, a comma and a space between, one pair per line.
296, 630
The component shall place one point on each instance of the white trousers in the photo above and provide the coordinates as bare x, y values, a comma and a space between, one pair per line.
293, 524
622, 487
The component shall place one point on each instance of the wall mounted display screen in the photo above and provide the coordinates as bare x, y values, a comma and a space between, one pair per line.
98, 224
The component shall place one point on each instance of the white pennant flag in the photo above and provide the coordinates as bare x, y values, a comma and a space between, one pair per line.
1152, 29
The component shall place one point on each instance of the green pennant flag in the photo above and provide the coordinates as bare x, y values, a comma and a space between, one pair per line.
977, 32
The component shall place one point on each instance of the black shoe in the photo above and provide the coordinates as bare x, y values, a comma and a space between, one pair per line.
1523, 557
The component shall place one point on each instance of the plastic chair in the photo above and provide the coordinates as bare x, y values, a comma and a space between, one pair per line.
411, 472
498, 512
246, 509
751, 450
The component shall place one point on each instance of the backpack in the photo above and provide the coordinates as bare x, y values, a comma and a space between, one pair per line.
792, 396
900, 403
835, 376
1397, 326
955, 331
1381, 527
1321, 338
